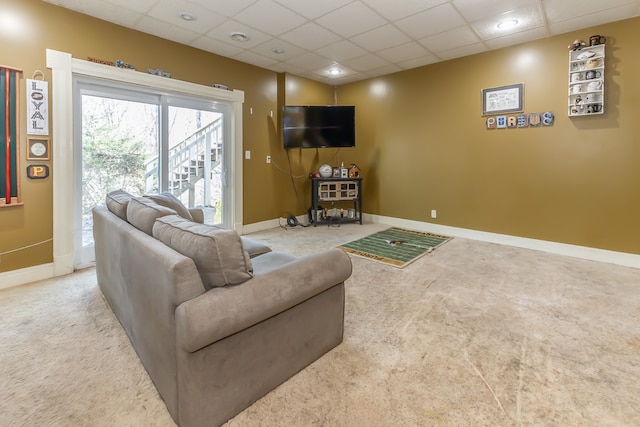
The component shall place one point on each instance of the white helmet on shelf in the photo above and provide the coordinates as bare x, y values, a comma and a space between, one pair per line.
325, 171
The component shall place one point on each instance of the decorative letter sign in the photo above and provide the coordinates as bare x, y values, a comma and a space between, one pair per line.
37, 107
520, 120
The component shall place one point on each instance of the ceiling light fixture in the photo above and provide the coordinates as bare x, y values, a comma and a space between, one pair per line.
505, 25
239, 37
335, 71
278, 51
188, 16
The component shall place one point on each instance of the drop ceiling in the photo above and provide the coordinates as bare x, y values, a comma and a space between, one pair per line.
353, 39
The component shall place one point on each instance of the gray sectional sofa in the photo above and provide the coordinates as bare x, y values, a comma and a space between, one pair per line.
217, 320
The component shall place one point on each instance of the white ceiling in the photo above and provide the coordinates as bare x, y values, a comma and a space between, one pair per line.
361, 38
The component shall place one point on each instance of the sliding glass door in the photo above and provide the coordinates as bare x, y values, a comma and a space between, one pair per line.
146, 142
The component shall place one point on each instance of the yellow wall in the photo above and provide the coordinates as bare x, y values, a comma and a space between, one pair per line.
43, 26
292, 167
422, 145
421, 142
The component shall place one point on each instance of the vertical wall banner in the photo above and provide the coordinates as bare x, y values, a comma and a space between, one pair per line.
9, 136
37, 107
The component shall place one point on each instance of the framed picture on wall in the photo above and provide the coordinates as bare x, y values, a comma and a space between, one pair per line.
503, 99
38, 149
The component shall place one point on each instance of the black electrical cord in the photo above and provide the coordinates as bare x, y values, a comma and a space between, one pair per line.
291, 221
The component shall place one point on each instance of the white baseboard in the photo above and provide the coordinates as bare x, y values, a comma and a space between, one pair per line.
46, 271
602, 255
22, 276
259, 226
272, 223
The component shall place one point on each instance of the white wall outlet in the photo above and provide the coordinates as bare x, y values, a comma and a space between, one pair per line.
247, 155
268, 159
434, 213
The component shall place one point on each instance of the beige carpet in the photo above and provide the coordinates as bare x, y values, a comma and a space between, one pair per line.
471, 334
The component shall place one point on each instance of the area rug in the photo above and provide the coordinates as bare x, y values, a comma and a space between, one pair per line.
395, 246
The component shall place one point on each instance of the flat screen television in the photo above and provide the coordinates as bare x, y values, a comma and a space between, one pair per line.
331, 126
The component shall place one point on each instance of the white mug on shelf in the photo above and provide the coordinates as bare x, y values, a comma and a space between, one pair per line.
594, 62
577, 89
593, 97
595, 85
575, 77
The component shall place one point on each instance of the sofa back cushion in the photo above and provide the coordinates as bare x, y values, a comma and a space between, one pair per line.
218, 253
117, 202
142, 213
168, 200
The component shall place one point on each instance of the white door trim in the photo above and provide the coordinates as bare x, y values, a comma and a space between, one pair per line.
63, 67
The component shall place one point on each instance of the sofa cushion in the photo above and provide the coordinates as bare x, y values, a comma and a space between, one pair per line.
168, 200
218, 253
254, 247
117, 202
142, 213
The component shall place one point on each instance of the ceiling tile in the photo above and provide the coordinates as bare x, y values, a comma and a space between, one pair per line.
366, 62
114, 13
341, 51
140, 6
397, 9
216, 46
345, 71
593, 19
309, 61
527, 18
285, 67
313, 9
369, 37
344, 22
463, 51
432, 21
474, 10
77, 5
166, 31
567, 9
419, 62
344, 80
380, 38
403, 52
517, 38
169, 12
255, 59
225, 8
270, 17
388, 69
223, 33
288, 50
461, 36
310, 36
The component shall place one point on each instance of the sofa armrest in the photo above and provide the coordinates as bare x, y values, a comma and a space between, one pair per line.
222, 312
197, 214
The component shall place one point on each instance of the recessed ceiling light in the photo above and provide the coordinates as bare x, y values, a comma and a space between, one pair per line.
278, 51
335, 71
188, 16
505, 25
239, 37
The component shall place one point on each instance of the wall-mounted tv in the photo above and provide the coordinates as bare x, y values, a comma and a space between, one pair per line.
308, 126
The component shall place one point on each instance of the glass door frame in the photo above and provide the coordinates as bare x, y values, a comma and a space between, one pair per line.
64, 67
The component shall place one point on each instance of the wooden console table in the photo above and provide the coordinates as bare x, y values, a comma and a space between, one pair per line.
333, 191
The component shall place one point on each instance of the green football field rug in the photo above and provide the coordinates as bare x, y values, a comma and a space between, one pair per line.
395, 246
